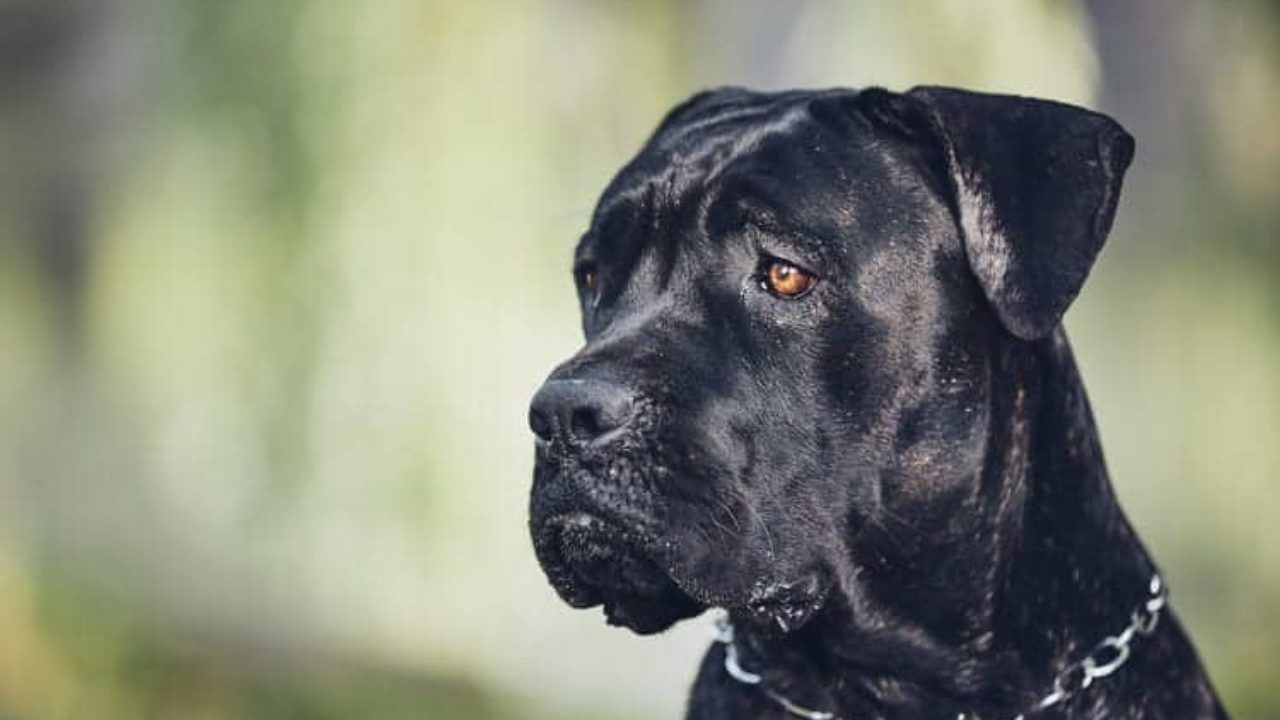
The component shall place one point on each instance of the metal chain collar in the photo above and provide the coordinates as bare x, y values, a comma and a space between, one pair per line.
1105, 658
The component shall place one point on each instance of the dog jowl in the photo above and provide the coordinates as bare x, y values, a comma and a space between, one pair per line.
825, 388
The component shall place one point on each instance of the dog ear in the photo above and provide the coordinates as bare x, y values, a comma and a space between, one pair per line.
1034, 184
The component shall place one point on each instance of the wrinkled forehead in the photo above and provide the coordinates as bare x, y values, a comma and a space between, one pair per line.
803, 164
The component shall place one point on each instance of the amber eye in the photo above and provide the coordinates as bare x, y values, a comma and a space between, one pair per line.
589, 278
786, 280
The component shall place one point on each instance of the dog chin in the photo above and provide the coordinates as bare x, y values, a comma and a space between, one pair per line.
772, 605
786, 607
590, 562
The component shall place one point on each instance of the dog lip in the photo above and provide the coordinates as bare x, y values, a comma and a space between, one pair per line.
596, 528
582, 539
574, 519
558, 567
587, 555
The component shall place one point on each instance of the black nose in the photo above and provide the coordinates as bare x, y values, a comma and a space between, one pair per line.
580, 411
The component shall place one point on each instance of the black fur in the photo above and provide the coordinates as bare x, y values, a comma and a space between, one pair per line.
893, 483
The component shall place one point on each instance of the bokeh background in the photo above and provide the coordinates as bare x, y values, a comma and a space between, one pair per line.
278, 278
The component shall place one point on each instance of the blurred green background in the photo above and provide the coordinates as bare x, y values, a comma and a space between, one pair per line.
278, 278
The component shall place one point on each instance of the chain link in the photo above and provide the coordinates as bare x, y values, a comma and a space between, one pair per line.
724, 634
1106, 658
1109, 655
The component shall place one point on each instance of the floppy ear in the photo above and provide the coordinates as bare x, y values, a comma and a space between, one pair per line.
1034, 183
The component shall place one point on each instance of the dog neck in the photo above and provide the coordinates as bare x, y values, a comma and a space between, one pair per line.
980, 618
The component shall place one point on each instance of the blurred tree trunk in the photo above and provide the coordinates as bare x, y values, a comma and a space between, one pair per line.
742, 41
61, 70
1151, 80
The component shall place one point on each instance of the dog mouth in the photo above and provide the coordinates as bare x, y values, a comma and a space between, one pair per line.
596, 556
590, 561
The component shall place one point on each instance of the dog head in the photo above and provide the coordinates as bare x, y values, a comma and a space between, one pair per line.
790, 304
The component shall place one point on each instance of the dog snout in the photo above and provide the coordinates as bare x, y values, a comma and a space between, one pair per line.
580, 411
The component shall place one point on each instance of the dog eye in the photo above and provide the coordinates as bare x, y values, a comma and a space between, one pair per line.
786, 280
588, 278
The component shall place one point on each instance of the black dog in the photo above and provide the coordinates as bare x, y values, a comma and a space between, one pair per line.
825, 388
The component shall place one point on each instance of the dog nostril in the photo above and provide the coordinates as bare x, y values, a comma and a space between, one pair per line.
584, 423
580, 410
